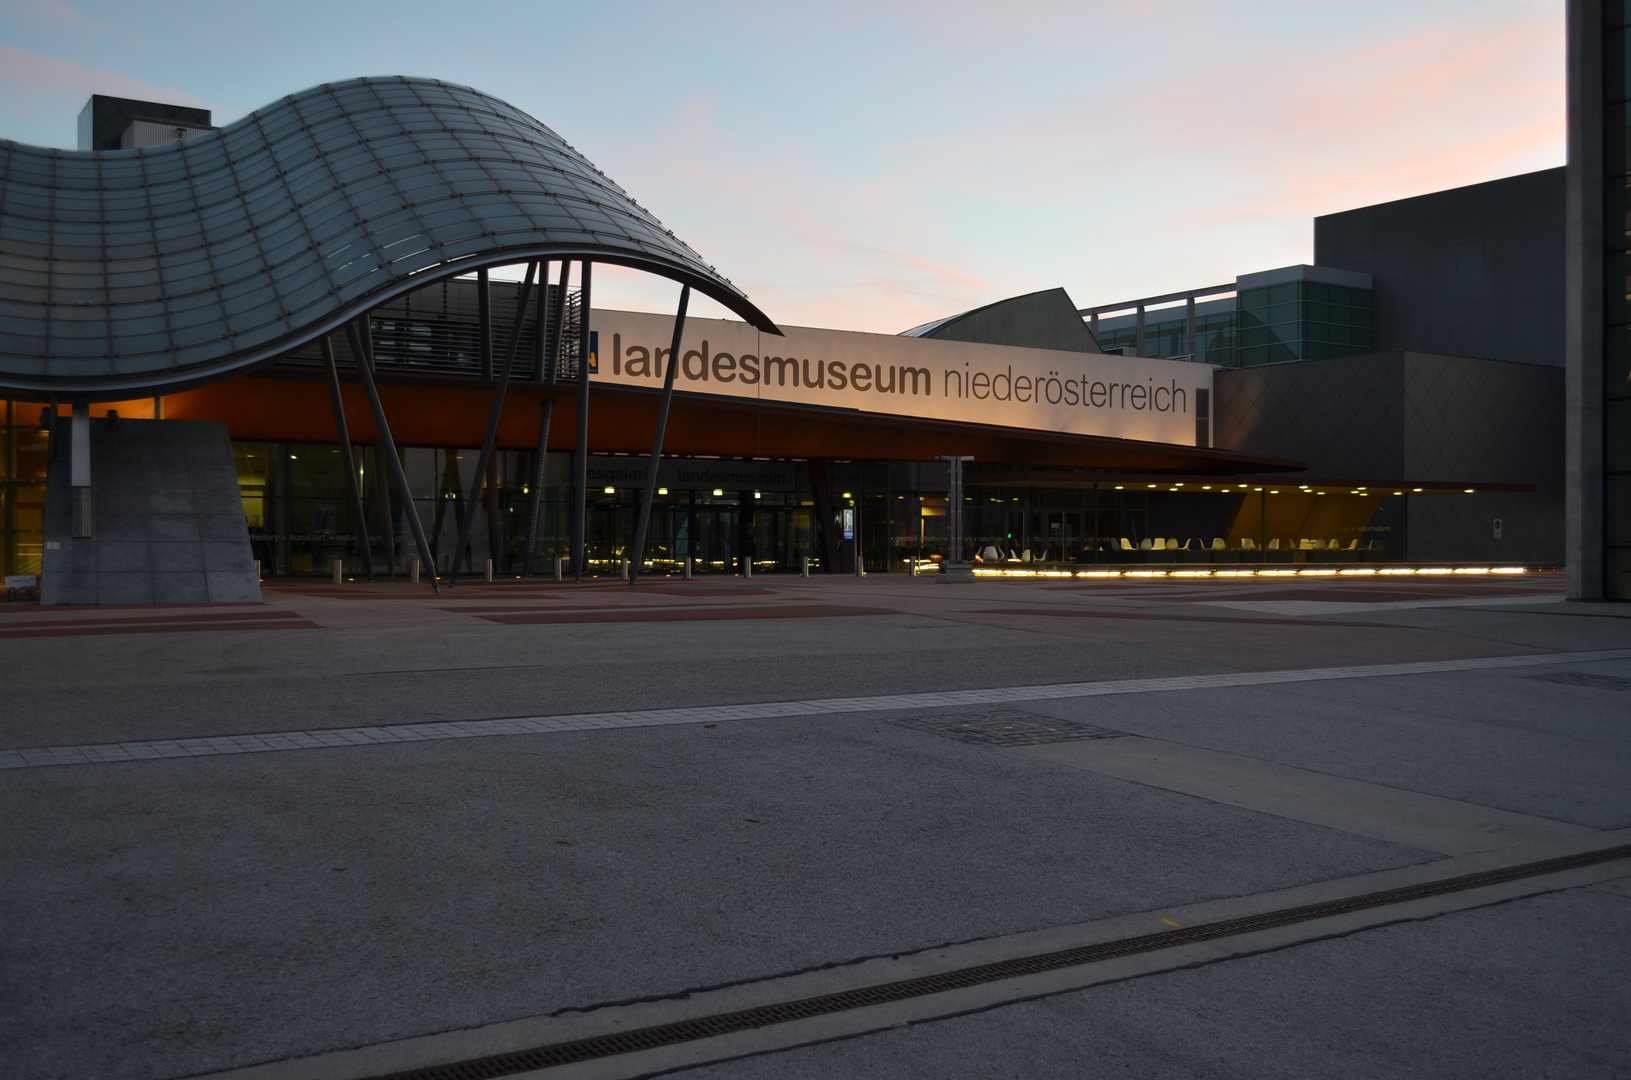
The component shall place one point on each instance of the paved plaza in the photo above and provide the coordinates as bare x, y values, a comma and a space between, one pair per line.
1293, 826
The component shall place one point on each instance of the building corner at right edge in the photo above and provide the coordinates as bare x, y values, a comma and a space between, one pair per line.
1597, 311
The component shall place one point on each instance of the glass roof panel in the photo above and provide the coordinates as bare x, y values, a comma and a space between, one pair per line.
320, 206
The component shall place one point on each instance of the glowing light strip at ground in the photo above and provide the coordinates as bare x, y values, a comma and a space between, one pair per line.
995, 572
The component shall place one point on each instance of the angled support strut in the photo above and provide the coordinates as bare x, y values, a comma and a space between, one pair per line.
580, 552
362, 347
472, 505
343, 432
657, 439
549, 359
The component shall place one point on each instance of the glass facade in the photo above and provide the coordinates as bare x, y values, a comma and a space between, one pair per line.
1616, 305
300, 517
1165, 336
1266, 324
1301, 320
23, 453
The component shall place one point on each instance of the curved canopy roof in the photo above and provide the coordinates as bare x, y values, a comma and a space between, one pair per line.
143, 271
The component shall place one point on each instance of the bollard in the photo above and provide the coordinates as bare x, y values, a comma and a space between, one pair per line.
413, 571
623, 569
747, 567
487, 570
339, 571
560, 568
688, 568
860, 566
804, 570
258, 571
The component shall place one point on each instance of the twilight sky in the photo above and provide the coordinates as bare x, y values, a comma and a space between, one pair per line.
874, 165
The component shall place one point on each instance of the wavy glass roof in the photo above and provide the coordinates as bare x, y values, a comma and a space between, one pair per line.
127, 272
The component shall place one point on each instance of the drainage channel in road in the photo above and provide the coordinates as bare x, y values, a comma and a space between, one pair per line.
685, 1031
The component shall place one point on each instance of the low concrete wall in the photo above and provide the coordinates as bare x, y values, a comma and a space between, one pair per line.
167, 526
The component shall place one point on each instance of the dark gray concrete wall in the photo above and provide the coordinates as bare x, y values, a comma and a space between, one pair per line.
1478, 421
1344, 417
168, 524
1460, 528
1473, 271
1473, 422
1414, 418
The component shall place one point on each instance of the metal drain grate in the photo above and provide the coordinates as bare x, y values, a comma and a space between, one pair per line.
1584, 678
544, 1057
1006, 727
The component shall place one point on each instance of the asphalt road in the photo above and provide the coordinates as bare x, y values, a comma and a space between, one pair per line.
169, 918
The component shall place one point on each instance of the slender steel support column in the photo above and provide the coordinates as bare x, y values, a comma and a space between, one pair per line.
473, 504
495, 530
657, 438
342, 431
1189, 327
549, 362
1138, 337
382, 503
1097, 528
821, 494
362, 347
535, 490
484, 319
580, 553
79, 467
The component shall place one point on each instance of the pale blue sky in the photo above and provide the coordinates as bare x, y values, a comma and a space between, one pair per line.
870, 166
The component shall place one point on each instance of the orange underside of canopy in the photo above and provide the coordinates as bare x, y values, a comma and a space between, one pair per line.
622, 419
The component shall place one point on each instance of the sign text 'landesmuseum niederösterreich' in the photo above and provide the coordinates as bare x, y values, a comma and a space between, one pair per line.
1125, 397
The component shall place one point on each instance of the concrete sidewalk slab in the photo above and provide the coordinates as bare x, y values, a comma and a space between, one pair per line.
1408, 818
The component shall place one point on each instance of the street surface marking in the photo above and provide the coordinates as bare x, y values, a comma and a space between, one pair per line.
388, 734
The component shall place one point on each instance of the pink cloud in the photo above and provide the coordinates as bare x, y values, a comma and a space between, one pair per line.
33, 85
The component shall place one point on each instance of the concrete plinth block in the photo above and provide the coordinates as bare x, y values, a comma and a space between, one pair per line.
167, 514
170, 501
222, 528
67, 587
174, 557
124, 588
175, 527
955, 574
180, 588
117, 556
223, 558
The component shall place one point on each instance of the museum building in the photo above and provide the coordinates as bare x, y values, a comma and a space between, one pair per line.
264, 349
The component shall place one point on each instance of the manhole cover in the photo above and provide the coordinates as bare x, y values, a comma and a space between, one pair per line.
1583, 678
1008, 727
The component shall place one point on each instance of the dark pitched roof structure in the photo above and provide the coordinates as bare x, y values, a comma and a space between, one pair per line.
134, 272
1039, 320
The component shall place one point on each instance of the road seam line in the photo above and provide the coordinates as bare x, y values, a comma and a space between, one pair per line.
371, 735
